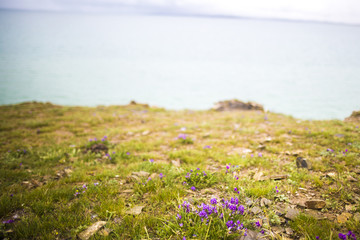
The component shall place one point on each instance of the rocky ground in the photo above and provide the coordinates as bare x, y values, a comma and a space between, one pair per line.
140, 172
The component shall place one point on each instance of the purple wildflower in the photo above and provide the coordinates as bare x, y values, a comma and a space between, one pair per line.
193, 188
84, 186
229, 224
207, 147
127, 153
342, 236
161, 175
95, 184
151, 160
260, 155
258, 224
181, 224
318, 238
184, 183
235, 189
262, 232
203, 214
178, 216
8, 221
182, 136
213, 201
227, 167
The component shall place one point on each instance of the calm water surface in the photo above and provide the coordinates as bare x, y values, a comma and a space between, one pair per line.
308, 70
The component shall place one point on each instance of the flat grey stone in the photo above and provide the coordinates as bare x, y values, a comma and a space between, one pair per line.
85, 235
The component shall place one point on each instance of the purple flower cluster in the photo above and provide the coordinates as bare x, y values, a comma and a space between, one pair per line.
349, 235
207, 147
8, 221
182, 136
103, 139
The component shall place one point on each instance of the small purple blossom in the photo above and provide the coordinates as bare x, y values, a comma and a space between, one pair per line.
213, 201
207, 147
342, 236
181, 224
8, 221
193, 188
178, 216
257, 224
235, 189
227, 167
95, 184
229, 224
182, 136
151, 160
260, 155
161, 175
127, 153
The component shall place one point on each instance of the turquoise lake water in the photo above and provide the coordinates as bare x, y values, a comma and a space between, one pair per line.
307, 70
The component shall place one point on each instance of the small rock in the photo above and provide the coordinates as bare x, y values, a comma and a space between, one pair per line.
331, 174
277, 230
255, 210
289, 231
315, 204
258, 176
117, 220
261, 147
128, 191
252, 235
357, 217
135, 210
352, 179
265, 202
85, 235
248, 202
343, 218
176, 162
330, 216
68, 171
105, 232
292, 213
140, 174
302, 163
231, 105
299, 202
153, 175
279, 210
279, 177
350, 208
146, 132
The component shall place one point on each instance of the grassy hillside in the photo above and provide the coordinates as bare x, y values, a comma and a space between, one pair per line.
149, 173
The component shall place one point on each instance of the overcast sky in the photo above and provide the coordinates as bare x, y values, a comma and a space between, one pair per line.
343, 11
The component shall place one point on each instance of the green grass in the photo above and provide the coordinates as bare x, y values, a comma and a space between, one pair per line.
54, 187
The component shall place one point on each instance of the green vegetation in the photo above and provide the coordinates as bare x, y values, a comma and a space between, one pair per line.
192, 174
